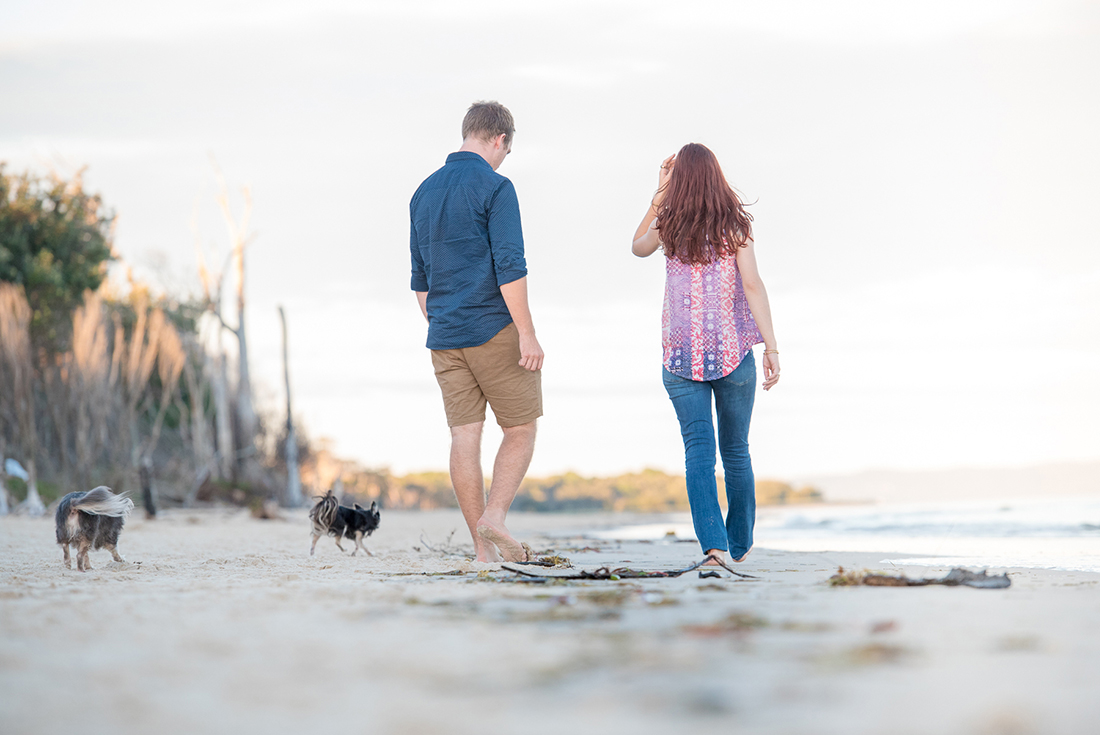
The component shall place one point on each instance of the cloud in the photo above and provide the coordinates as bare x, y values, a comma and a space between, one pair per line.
872, 22
64, 151
28, 23
602, 73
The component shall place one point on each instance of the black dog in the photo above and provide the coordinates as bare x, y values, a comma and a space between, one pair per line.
91, 520
333, 519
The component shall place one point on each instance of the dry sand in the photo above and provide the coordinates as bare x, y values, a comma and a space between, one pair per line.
219, 623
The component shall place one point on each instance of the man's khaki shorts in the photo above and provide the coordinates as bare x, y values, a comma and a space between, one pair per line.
491, 373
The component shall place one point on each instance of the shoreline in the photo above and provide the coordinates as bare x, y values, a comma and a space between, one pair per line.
219, 623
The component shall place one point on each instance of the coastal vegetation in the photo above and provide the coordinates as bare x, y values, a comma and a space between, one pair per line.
108, 382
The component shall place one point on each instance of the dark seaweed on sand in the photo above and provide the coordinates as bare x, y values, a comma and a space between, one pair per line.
956, 577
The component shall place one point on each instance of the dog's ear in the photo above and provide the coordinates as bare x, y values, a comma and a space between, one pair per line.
358, 507
373, 506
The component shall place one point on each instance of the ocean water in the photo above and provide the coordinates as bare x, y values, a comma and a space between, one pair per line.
1050, 533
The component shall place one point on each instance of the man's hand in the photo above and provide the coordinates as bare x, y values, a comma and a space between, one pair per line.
515, 296
530, 352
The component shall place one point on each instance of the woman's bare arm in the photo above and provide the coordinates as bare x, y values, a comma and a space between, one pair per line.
757, 296
646, 239
647, 243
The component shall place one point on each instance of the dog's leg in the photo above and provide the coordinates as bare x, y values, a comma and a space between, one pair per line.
341, 548
82, 550
313, 546
358, 542
114, 552
68, 561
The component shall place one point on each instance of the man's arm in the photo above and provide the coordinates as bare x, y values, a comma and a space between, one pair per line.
506, 243
515, 296
422, 297
419, 277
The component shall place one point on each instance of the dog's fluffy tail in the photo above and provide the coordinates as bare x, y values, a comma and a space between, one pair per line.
103, 502
324, 513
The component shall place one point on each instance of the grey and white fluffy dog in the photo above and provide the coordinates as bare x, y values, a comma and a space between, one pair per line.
91, 520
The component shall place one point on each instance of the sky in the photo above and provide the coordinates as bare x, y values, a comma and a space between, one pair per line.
923, 179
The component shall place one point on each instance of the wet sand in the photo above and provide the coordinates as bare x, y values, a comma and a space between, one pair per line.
220, 623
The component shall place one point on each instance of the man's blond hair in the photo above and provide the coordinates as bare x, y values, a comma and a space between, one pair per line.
487, 120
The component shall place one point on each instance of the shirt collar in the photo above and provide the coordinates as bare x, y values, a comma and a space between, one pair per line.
467, 156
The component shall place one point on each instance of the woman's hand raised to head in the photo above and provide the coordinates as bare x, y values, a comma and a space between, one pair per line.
662, 179
646, 239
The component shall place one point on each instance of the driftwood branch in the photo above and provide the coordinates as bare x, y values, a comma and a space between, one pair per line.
447, 547
625, 572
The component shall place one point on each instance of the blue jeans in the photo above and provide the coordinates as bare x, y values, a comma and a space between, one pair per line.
733, 397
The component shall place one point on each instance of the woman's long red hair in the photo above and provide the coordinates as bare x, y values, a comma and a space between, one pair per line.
701, 218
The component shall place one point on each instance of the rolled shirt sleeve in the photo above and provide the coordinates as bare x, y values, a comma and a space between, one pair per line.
419, 280
506, 235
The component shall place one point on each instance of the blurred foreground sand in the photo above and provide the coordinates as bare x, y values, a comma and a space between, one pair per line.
219, 623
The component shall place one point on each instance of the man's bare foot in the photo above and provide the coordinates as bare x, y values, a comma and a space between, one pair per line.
487, 552
510, 549
720, 554
743, 556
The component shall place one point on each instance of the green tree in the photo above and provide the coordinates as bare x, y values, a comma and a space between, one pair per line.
55, 241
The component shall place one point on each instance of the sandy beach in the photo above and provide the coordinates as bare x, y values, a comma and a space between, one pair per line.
220, 623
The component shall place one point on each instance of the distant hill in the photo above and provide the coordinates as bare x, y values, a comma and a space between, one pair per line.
897, 486
648, 491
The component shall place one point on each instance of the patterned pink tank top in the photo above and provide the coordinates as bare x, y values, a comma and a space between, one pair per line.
707, 327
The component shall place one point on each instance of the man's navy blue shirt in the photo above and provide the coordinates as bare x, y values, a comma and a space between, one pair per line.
466, 242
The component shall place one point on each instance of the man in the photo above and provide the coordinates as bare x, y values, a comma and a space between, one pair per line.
470, 276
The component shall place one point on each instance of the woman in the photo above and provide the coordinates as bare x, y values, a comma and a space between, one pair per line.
715, 310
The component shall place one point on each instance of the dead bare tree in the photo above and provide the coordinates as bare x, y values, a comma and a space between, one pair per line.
15, 318
239, 460
240, 238
294, 480
214, 365
170, 360
202, 446
217, 370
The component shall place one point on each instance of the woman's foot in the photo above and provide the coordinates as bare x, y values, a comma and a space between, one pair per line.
743, 556
712, 554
